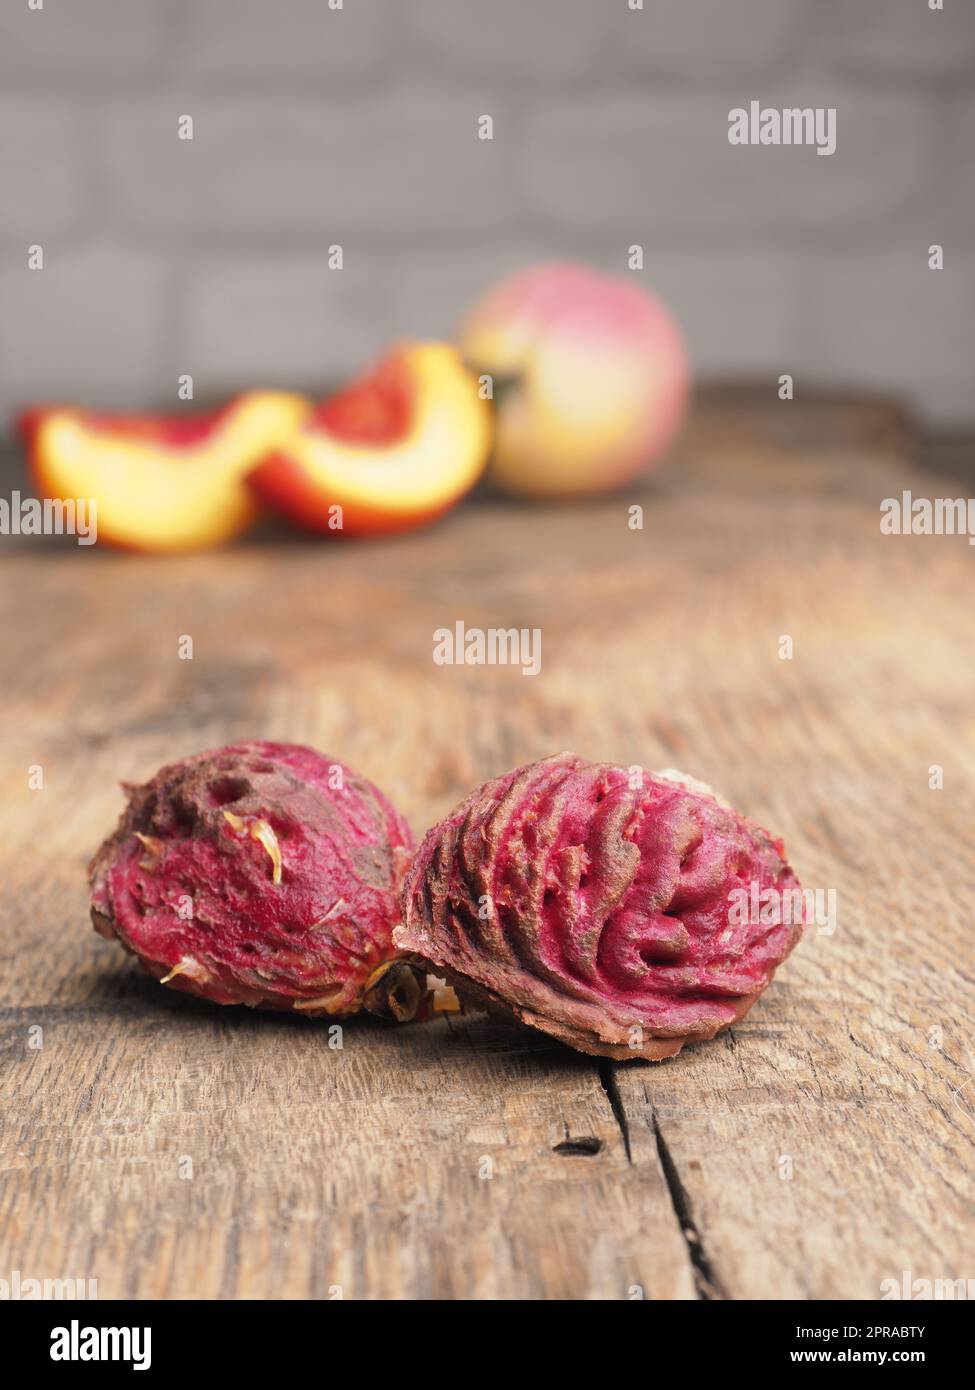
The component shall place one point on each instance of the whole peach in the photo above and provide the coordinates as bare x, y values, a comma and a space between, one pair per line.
590, 378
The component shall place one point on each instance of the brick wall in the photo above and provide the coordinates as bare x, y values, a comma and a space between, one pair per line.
357, 126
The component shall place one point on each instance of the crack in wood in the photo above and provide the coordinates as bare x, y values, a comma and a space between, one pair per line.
607, 1078
706, 1282
586, 1145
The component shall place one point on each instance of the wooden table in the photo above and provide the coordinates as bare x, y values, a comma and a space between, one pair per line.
168, 1148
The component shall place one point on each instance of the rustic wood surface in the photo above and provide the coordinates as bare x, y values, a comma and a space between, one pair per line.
164, 1147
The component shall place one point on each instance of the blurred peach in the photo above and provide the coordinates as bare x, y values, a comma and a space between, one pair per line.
590, 379
163, 483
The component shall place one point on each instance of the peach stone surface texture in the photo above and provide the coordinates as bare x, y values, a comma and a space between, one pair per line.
260, 873
597, 911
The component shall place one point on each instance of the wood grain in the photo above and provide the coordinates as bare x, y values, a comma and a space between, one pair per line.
167, 1148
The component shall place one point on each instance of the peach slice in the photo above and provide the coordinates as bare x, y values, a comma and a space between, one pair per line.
161, 484
390, 452
591, 379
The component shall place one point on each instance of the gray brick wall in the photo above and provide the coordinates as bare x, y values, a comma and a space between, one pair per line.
357, 126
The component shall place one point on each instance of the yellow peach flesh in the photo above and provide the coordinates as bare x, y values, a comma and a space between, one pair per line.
440, 457
157, 498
